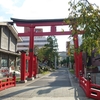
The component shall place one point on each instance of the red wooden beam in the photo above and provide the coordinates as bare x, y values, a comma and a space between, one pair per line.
41, 24
53, 29
27, 58
47, 33
25, 25
51, 33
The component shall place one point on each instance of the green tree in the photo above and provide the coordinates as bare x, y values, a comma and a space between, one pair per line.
49, 51
41, 54
36, 49
52, 47
85, 16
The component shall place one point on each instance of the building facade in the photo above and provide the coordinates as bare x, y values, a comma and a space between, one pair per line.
39, 41
8, 45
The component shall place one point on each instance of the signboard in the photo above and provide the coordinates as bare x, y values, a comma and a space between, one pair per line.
37, 30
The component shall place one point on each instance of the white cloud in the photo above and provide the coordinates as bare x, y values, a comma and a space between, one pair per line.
7, 5
1, 18
38, 9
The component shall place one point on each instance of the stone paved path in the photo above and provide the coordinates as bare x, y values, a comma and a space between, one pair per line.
54, 86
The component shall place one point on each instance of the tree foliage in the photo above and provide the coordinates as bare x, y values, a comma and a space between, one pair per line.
52, 49
41, 54
49, 51
85, 16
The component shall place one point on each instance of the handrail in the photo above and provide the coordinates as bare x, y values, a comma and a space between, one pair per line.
91, 90
7, 83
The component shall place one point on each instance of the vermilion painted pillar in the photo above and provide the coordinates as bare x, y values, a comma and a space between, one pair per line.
76, 64
31, 47
76, 56
80, 62
23, 65
35, 66
76, 41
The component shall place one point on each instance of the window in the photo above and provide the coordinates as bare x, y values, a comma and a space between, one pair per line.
3, 62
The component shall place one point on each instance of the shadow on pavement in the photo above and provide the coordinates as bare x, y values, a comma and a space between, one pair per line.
54, 82
17, 92
61, 80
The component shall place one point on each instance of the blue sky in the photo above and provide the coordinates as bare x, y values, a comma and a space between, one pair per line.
7, 8
37, 9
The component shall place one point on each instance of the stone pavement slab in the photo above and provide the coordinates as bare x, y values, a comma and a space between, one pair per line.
59, 85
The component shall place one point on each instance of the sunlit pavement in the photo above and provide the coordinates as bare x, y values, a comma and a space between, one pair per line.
58, 85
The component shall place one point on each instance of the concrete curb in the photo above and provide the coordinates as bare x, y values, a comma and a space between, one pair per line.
70, 76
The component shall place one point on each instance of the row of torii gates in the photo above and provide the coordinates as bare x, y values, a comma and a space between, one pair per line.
31, 24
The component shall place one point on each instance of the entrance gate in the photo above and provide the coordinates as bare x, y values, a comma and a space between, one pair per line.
31, 24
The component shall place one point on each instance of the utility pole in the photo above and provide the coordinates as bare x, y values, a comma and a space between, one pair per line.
55, 62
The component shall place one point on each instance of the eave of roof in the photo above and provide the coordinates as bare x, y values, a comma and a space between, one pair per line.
12, 29
36, 21
9, 52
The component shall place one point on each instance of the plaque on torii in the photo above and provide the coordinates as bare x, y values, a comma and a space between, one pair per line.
43, 22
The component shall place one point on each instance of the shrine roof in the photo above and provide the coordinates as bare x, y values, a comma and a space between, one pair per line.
36, 20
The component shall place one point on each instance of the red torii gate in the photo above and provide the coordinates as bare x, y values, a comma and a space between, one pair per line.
48, 22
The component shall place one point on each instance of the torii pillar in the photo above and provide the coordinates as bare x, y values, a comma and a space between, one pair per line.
78, 57
31, 46
31, 53
75, 38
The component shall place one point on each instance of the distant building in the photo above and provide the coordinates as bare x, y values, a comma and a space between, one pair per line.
8, 45
62, 55
39, 41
